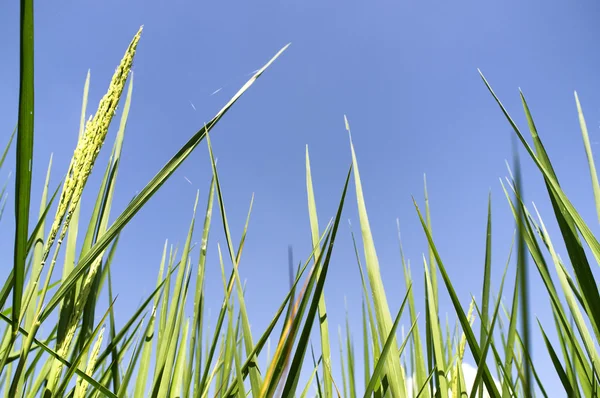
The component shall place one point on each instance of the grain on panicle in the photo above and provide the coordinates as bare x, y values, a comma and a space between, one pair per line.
85, 155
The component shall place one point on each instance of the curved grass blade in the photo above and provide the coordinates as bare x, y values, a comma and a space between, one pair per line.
295, 368
323, 321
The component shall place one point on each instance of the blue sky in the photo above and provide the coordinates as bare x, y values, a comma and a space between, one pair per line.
406, 76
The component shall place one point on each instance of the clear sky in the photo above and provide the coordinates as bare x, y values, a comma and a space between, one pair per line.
406, 75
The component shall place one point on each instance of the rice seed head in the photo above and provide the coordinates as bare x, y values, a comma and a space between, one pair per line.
82, 385
91, 142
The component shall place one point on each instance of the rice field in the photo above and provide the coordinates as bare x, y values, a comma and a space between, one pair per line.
55, 343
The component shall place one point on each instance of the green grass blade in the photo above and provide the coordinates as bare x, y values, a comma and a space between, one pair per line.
310, 379
475, 350
195, 354
7, 147
177, 387
388, 347
485, 292
293, 376
366, 356
557, 365
342, 363
431, 257
523, 283
486, 344
372, 324
350, 355
255, 380
37, 250
382, 311
419, 371
323, 321
590, 156
142, 373
440, 378
24, 157
264, 338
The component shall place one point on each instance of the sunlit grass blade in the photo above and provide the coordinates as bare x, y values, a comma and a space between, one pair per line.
316, 365
8, 146
372, 323
168, 341
590, 155
323, 320
350, 355
440, 377
37, 252
572, 303
195, 354
255, 379
311, 378
474, 347
388, 349
382, 311
489, 338
432, 264
293, 376
342, 363
264, 338
485, 292
523, 272
177, 386
419, 371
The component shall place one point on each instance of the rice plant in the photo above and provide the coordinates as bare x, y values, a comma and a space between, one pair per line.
164, 351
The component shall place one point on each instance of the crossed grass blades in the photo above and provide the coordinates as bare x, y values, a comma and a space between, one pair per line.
162, 351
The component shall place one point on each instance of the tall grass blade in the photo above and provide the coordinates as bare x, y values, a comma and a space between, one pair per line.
440, 377
590, 155
382, 311
323, 321
475, 350
24, 156
295, 368
255, 380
